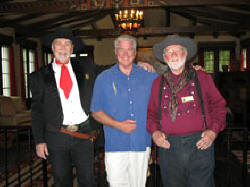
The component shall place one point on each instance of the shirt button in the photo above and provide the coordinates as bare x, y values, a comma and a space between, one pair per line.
130, 102
192, 92
128, 78
131, 115
194, 105
165, 96
188, 111
178, 114
164, 88
129, 89
192, 83
165, 107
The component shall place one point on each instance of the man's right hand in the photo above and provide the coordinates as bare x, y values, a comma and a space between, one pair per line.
127, 126
160, 139
42, 150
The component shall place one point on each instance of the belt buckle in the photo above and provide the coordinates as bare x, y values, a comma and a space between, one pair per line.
72, 128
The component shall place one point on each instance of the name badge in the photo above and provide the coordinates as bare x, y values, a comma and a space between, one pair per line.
187, 99
87, 76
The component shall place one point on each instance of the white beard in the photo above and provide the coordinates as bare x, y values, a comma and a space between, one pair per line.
177, 66
62, 58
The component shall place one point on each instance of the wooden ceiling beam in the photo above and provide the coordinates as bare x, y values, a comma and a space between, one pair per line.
67, 17
204, 18
5, 22
216, 13
67, 5
160, 31
26, 31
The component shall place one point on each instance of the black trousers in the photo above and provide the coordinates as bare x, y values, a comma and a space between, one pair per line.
183, 165
66, 152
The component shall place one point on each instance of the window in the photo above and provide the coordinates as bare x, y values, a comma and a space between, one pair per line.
28, 67
209, 61
216, 56
47, 57
82, 54
224, 59
6, 83
244, 56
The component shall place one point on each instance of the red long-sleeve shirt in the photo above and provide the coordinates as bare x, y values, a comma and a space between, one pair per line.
189, 116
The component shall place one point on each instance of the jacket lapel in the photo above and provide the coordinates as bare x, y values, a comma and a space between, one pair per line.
51, 87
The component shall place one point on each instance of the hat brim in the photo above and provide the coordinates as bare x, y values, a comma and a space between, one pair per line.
186, 42
78, 44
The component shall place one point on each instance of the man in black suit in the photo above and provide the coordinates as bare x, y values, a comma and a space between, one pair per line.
61, 94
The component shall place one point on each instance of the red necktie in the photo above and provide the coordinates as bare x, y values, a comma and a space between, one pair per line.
65, 79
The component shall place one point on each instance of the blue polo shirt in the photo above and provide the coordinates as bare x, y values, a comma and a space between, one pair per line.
124, 98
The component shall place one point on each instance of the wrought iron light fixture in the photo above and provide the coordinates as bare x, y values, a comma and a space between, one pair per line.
129, 19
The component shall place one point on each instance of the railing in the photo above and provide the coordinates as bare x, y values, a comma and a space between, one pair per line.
241, 144
17, 147
23, 148
18, 161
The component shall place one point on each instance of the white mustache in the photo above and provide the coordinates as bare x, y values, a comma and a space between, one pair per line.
63, 52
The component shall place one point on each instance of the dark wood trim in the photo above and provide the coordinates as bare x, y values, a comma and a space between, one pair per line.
66, 5
26, 43
245, 43
216, 45
5, 40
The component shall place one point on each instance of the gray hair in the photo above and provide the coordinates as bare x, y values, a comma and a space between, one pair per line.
125, 37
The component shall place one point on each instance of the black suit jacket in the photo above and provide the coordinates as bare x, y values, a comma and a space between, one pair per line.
46, 108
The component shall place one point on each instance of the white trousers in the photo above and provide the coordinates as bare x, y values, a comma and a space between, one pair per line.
127, 169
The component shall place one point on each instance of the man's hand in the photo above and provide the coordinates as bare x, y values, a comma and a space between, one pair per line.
208, 137
146, 66
42, 150
127, 126
160, 139
198, 67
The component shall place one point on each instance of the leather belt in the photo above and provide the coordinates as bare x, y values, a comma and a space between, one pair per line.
71, 128
76, 127
78, 134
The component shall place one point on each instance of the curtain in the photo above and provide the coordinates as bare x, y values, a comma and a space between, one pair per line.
201, 57
248, 58
241, 60
232, 59
22, 74
13, 91
36, 60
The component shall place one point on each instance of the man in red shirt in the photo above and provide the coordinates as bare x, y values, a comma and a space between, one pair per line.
185, 136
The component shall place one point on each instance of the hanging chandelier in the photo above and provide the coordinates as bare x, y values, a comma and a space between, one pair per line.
129, 19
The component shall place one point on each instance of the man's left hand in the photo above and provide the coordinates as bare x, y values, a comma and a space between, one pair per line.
146, 66
208, 137
198, 67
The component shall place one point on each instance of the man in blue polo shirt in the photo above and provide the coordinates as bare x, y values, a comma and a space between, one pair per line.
119, 102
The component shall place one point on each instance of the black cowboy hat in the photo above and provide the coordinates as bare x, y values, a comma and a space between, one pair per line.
186, 42
63, 32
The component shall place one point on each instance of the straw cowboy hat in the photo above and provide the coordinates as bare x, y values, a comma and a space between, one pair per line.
63, 32
186, 42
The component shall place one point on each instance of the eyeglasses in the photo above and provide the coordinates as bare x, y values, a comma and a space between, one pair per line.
171, 52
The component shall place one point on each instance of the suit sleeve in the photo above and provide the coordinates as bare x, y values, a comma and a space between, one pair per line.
37, 113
